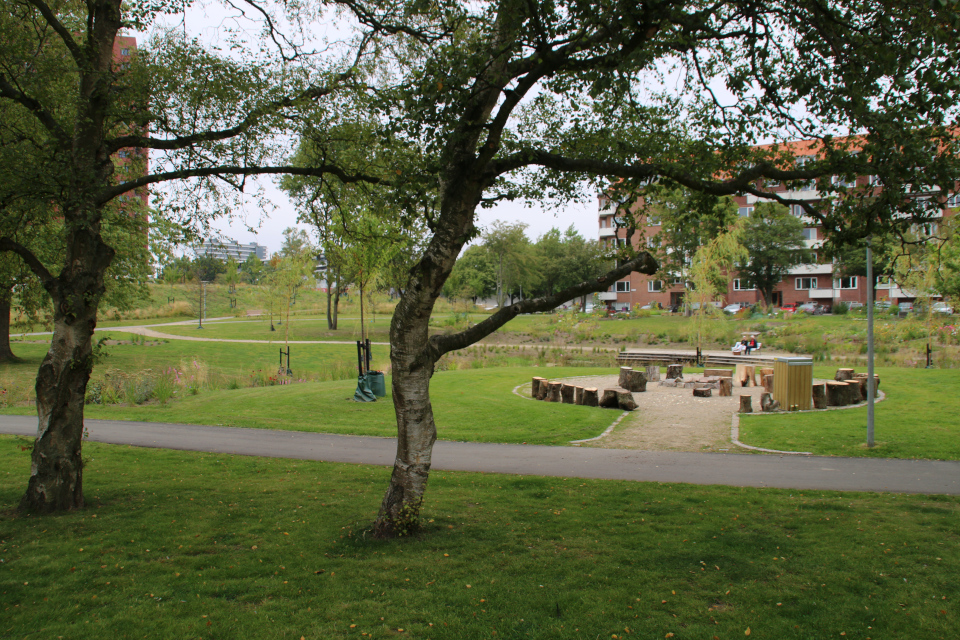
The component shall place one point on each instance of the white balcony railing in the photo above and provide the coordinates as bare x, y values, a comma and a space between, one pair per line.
607, 296
608, 232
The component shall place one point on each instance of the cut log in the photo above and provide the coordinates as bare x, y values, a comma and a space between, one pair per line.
667, 383
819, 396
535, 386
653, 373
566, 393
746, 374
553, 391
766, 371
861, 379
578, 395
767, 403
631, 380
543, 389
718, 373
836, 393
853, 392
702, 393
674, 371
625, 400
746, 404
726, 387
768, 383
590, 398
843, 374
608, 399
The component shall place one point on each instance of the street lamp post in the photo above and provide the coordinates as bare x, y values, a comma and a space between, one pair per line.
203, 301
870, 379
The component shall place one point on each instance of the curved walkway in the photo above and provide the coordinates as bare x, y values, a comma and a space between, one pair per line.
744, 470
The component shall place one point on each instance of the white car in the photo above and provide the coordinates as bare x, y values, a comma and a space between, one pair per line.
733, 307
941, 307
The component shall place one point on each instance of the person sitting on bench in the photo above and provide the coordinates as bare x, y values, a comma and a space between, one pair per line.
738, 348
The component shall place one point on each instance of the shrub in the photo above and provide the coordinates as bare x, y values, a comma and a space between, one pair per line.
841, 308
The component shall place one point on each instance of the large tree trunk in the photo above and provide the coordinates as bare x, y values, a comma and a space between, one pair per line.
56, 472
416, 429
6, 355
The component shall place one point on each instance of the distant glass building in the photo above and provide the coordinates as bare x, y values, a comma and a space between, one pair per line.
226, 248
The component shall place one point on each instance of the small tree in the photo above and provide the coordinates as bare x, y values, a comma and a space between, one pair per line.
709, 272
774, 245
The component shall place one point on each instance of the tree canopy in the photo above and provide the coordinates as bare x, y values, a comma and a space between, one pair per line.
773, 239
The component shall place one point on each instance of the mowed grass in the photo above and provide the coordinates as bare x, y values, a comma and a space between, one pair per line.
920, 418
475, 405
190, 545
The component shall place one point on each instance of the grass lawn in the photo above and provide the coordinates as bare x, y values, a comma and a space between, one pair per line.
471, 405
919, 419
186, 545
228, 359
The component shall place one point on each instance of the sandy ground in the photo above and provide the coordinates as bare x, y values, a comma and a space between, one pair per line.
671, 419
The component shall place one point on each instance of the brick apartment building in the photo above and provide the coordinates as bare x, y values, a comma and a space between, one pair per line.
817, 281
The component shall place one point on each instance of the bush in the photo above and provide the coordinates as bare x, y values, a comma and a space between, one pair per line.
841, 308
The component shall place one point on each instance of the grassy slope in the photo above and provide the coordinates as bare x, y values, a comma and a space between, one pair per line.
919, 419
178, 545
472, 405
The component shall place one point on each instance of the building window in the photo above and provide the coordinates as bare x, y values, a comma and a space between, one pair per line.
953, 201
742, 284
810, 233
805, 283
845, 283
653, 221
651, 242
623, 286
770, 183
622, 242
124, 52
873, 181
745, 211
797, 211
840, 181
677, 281
653, 286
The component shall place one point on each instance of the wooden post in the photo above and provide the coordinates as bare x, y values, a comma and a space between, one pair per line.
843, 374
726, 387
861, 378
653, 373
702, 393
535, 386
766, 371
590, 398
718, 373
624, 375
543, 390
566, 393
819, 396
578, 395
553, 391
746, 374
836, 393
746, 404
768, 383
674, 371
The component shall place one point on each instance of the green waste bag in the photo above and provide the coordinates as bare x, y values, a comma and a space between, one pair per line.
363, 392
376, 383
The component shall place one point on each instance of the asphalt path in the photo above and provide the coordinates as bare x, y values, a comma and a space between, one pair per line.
743, 470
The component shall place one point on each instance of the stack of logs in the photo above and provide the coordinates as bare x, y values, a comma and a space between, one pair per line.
846, 388
620, 397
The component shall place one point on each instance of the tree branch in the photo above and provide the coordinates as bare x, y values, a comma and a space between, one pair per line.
7, 90
252, 118
6, 244
642, 263
61, 30
204, 172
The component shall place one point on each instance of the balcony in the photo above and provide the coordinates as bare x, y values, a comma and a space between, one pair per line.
607, 296
608, 232
823, 294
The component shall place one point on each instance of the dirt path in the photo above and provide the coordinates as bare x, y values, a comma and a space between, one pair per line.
671, 419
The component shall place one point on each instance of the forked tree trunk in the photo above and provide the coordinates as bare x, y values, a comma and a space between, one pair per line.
6, 354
